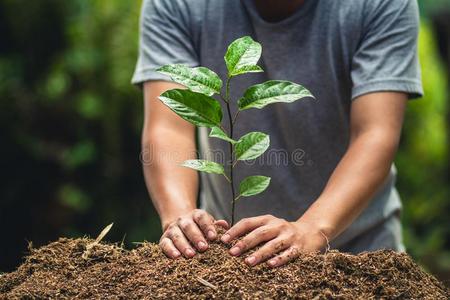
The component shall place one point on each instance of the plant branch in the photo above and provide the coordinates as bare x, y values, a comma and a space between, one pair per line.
230, 119
223, 98
234, 163
226, 177
235, 116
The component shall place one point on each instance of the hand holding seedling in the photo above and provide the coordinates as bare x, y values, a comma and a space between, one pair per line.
197, 106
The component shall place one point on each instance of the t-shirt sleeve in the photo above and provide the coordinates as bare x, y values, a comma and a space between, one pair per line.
165, 38
386, 58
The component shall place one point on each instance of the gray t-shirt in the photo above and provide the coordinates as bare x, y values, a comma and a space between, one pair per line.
338, 49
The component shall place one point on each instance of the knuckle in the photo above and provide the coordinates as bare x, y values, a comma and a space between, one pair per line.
183, 224
263, 232
174, 236
283, 225
279, 245
206, 227
268, 217
295, 251
197, 214
244, 222
262, 254
197, 238
243, 244
171, 227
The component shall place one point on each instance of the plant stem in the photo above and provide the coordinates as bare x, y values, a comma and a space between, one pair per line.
231, 122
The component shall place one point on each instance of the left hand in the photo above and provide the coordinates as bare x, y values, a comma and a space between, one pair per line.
283, 240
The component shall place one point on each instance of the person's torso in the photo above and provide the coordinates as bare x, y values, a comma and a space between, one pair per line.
312, 47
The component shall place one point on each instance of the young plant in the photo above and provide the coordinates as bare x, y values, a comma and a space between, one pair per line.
197, 106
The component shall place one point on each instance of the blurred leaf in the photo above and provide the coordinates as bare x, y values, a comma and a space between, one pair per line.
82, 153
89, 105
74, 198
57, 84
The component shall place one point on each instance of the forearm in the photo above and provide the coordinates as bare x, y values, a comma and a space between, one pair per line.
360, 173
173, 189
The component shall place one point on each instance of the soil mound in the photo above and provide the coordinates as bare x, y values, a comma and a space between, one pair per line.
66, 269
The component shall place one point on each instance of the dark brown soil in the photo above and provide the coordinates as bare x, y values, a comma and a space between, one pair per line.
60, 270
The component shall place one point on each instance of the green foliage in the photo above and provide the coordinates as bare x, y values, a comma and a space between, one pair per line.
200, 80
220, 134
70, 124
199, 109
204, 166
272, 91
252, 145
423, 163
242, 56
253, 185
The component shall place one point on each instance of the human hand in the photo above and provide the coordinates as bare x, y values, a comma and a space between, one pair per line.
283, 240
193, 228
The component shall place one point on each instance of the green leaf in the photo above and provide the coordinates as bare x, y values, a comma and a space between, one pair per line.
200, 79
242, 56
251, 145
218, 133
253, 185
272, 91
204, 166
248, 69
199, 109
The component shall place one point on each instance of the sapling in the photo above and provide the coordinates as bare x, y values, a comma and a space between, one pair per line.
197, 106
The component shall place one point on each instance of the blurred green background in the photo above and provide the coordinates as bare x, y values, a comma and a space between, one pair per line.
70, 126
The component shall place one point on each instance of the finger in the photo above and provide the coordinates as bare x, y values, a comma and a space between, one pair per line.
169, 248
206, 223
242, 227
268, 250
180, 242
222, 223
253, 239
193, 233
286, 256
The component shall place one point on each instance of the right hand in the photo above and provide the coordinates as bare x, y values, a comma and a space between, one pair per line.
189, 233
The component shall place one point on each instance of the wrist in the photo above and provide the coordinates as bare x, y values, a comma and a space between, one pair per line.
319, 225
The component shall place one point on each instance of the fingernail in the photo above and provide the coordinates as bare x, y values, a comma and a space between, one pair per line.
211, 235
176, 253
201, 245
225, 238
250, 260
235, 251
190, 252
272, 262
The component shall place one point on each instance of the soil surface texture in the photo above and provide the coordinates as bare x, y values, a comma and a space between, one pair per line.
82, 268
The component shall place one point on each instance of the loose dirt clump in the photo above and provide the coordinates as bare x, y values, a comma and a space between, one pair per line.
63, 270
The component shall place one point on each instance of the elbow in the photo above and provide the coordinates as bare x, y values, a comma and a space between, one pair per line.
147, 149
379, 141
